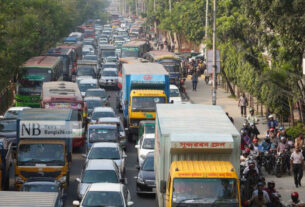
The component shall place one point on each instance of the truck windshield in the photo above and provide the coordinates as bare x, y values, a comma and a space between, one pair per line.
107, 53
103, 135
102, 198
86, 71
147, 104
174, 92
130, 52
50, 154
104, 153
171, 68
29, 88
32, 73
216, 191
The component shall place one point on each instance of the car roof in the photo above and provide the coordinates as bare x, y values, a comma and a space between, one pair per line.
110, 69
18, 108
110, 63
172, 86
92, 98
100, 164
87, 80
116, 187
109, 119
99, 109
105, 144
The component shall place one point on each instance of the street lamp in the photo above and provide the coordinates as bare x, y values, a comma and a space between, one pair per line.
214, 56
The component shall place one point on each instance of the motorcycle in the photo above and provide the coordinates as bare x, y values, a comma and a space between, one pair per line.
269, 161
281, 163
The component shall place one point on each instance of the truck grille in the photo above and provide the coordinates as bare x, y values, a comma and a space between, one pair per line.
40, 174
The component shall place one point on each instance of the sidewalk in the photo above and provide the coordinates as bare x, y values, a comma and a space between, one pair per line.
203, 95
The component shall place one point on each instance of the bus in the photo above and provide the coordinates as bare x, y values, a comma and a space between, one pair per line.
34, 72
135, 48
65, 95
170, 61
67, 56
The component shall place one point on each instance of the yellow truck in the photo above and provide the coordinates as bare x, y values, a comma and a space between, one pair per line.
44, 144
143, 86
196, 158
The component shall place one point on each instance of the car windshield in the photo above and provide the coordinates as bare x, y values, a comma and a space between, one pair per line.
29, 88
93, 103
111, 59
96, 198
148, 143
83, 87
149, 128
100, 176
102, 114
112, 153
174, 93
12, 114
130, 52
107, 53
86, 71
214, 191
99, 93
109, 73
8, 126
39, 188
41, 153
109, 66
103, 135
90, 57
148, 164
146, 103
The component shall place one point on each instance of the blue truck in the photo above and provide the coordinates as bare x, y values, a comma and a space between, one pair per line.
143, 86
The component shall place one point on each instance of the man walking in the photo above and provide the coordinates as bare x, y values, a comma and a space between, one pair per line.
195, 80
297, 162
243, 103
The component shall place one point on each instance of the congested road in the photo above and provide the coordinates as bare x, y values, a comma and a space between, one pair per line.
131, 171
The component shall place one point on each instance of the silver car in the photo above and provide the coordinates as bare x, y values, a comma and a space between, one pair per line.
109, 77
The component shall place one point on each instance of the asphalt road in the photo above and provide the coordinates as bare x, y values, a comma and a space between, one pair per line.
131, 171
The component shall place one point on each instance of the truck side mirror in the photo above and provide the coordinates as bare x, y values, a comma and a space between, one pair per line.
162, 186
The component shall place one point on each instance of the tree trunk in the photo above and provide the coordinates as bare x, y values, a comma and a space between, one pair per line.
228, 83
291, 111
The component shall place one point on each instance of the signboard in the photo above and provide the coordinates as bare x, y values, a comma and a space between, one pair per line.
63, 106
210, 61
202, 145
49, 129
133, 49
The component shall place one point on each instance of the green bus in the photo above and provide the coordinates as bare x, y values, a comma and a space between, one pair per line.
34, 72
135, 48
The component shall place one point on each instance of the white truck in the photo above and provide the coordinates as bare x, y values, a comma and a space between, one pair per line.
197, 151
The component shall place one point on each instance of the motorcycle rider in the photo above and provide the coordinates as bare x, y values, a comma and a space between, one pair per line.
295, 201
267, 145
271, 122
254, 152
282, 145
260, 188
245, 139
270, 189
257, 146
253, 120
251, 169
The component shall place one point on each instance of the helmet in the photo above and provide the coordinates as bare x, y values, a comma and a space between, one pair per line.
283, 138
267, 139
255, 140
271, 184
251, 162
270, 116
260, 184
295, 196
271, 129
247, 150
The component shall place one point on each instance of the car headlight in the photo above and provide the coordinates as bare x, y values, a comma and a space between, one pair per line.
19, 180
63, 179
140, 180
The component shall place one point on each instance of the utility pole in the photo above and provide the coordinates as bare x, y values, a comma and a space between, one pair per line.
155, 22
214, 56
170, 5
206, 26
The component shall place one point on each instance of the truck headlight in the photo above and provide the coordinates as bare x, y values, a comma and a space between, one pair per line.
19, 180
63, 179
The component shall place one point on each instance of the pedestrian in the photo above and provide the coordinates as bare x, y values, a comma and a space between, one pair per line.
243, 103
297, 162
168, 47
295, 201
299, 141
195, 80
206, 76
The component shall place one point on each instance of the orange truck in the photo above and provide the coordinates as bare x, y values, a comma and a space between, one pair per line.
196, 158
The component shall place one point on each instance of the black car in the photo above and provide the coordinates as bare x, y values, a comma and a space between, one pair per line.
8, 129
146, 176
44, 184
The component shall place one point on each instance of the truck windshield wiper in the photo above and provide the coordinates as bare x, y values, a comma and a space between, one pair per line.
187, 199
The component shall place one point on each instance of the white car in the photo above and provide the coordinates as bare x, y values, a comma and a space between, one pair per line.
108, 150
98, 171
13, 112
145, 145
85, 84
100, 112
109, 77
106, 194
175, 95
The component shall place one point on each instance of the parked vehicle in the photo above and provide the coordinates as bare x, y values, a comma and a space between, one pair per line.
108, 194
146, 176
108, 150
192, 153
98, 171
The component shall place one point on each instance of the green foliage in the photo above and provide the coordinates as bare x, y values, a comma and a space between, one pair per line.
294, 131
29, 27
